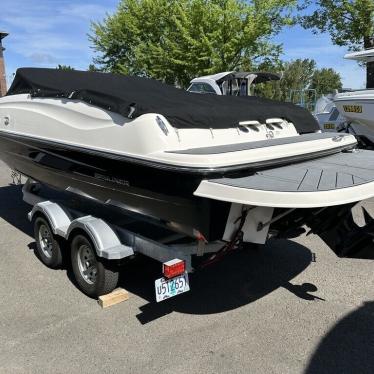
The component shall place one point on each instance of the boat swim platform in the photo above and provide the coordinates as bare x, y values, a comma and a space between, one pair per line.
342, 178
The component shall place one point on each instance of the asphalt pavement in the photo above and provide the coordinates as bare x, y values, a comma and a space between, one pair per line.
289, 307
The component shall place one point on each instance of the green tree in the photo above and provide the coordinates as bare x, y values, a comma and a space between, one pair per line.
92, 68
270, 90
176, 40
64, 67
325, 81
296, 75
349, 22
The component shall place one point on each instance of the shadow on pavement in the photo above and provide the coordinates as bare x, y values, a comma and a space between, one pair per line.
239, 279
13, 209
303, 291
348, 347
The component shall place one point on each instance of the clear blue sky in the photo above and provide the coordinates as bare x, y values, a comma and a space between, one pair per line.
51, 32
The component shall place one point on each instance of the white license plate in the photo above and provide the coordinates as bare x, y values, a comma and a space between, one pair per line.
166, 288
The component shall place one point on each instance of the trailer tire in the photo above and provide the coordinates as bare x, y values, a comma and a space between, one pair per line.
48, 247
94, 276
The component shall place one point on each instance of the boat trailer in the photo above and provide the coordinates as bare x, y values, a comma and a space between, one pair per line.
114, 241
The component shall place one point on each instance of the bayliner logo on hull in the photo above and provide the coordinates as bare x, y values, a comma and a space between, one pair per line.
108, 178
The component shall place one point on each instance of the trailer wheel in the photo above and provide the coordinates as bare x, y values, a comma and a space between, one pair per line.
48, 248
92, 274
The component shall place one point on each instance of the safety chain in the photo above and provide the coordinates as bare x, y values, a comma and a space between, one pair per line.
236, 243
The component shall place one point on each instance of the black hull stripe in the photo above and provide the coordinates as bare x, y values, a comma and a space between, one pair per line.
180, 169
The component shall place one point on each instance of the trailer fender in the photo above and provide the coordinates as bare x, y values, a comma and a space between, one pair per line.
104, 239
56, 216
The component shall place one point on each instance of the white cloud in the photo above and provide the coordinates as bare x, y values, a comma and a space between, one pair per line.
353, 75
90, 12
314, 51
43, 58
300, 43
50, 32
47, 42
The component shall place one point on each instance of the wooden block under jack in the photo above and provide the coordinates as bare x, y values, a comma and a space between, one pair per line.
116, 296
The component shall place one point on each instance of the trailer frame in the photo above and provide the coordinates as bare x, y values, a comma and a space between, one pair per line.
112, 242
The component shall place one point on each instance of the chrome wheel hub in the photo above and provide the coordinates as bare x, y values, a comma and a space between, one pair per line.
87, 263
45, 240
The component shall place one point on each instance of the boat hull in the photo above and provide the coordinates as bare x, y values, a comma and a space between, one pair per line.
148, 191
357, 106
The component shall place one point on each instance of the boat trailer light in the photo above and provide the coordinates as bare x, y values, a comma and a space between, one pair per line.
173, 268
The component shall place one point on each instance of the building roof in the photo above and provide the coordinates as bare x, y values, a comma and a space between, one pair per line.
365, 55
3, 34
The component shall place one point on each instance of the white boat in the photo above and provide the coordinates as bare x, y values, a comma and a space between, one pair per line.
358, 106
328, 115
230, 83
193, 163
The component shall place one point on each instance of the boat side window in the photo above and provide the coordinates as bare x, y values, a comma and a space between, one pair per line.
230, 88
334, 115
201, 88
224, 87
243, 88
235, 89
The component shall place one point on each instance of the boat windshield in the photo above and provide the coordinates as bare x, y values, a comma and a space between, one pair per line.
234, 87
324, 105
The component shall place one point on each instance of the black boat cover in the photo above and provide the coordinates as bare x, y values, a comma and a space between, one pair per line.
118, 93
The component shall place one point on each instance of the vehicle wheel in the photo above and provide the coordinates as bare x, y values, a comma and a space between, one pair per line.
48, 248
92, 274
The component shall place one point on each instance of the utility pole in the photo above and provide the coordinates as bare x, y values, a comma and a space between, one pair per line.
369, 44
3, 87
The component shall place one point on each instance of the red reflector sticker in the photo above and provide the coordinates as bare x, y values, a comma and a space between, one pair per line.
173, 268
